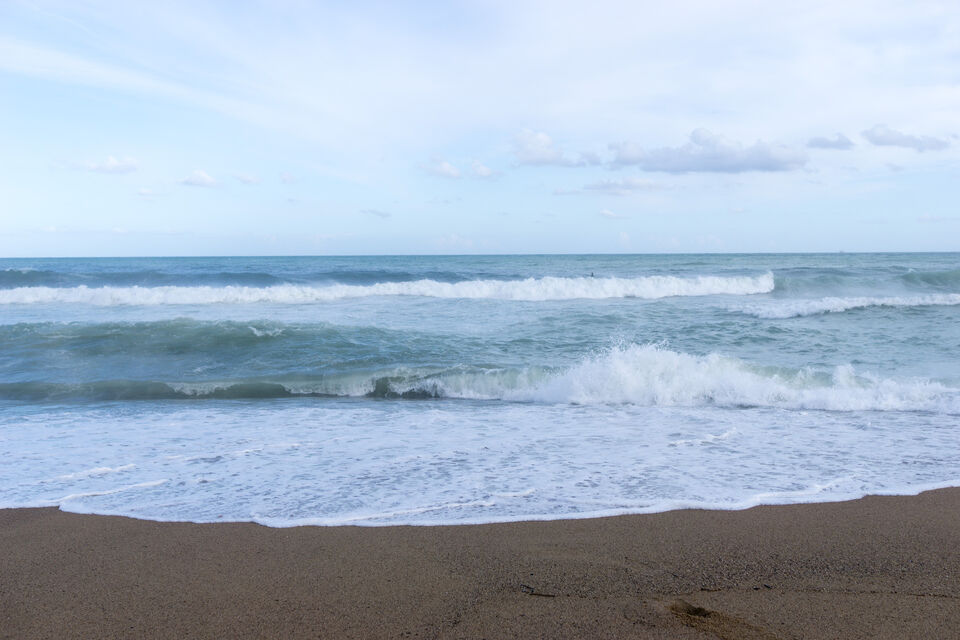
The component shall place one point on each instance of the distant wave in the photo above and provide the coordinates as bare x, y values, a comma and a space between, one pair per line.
28, 278
638, 375
20, 278
808, 307
158, 338
531, 289
12, 278
950, 278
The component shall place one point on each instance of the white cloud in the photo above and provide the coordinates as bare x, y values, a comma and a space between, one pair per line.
246, 178
564, 191
709, 152
624, 186
840, 141
537, 149
480, 170
376, 212
113, 165
199, 178
615, 68
590, 158
31, 59
443, 169
288, 178
533, 147
610, 215
398, 84
884, 136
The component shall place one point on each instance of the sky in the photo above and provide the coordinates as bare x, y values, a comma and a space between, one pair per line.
316, 128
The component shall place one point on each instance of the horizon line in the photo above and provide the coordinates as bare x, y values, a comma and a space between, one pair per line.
468, 255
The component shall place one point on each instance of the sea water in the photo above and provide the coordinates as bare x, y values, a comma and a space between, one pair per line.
462, 389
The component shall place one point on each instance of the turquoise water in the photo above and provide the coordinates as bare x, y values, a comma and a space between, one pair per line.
426, 390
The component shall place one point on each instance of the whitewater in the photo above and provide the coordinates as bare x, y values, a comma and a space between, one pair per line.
438, 390
547, 288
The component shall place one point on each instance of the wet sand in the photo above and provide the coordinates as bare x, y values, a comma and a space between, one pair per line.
879, 567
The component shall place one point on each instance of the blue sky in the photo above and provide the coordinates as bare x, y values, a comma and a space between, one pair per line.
218, 128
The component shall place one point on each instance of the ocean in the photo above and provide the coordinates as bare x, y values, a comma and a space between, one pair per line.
467, 389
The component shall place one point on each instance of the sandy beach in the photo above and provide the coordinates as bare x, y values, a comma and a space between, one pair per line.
879, 567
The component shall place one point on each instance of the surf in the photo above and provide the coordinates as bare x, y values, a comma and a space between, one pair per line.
529, 289
638, 375
810, 307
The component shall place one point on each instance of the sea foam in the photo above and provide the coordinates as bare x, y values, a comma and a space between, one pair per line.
530, 289
810, 307
648, 375
652, 376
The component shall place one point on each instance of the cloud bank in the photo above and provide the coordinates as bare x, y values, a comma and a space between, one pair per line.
883, 136
709, 152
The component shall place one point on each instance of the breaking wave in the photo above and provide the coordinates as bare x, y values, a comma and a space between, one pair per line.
530, 289
648, 375
638, 375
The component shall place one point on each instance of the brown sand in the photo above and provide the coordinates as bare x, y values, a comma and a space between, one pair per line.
880, 567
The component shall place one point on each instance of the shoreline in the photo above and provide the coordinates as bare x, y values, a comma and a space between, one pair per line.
371, 522
875, 567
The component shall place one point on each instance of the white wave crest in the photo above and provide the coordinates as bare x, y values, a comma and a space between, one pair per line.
799, 308
531, 289
648, 375
268, 333
652, 376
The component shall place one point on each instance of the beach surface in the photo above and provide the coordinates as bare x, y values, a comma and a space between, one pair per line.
878, 567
